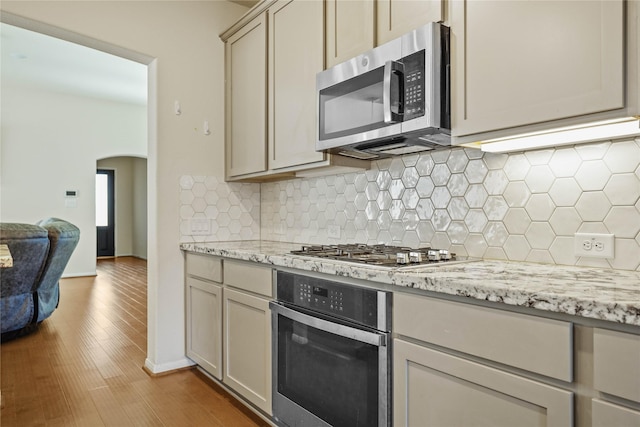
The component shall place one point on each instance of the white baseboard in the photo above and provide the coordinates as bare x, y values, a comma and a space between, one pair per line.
65, 276
167, 367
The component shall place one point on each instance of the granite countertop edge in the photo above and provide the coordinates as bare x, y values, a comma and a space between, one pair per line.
596, 293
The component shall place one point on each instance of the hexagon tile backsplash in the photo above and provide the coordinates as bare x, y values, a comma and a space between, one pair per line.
521, 206
233, 209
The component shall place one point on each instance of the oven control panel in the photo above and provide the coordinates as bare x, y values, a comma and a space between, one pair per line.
366, 306
316, 296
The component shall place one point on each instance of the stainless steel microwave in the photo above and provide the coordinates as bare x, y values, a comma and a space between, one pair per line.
392, 100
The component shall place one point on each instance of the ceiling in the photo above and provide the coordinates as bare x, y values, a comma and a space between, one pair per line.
35, 60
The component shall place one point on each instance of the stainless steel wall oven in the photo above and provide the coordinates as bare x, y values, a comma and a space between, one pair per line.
331, 353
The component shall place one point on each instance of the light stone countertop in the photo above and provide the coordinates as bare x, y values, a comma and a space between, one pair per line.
604, 294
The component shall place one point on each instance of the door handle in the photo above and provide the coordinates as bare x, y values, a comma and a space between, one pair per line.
391, 69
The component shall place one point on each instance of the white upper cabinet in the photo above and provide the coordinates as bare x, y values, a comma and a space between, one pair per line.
246, 93
273, 54
296, 49
353, 27
396, 17
349, 29
519, 63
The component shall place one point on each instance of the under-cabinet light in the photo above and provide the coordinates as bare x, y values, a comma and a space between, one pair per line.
595, 131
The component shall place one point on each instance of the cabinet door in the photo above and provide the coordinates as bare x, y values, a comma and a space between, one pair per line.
349, 29
396, 17
432, 388
246, 74
295, 57
204, 325
518, 63
247, 347
616, 363
606, 414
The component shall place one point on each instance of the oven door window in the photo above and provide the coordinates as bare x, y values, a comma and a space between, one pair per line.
333, 377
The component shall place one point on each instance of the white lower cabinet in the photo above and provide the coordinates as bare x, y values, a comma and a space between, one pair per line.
605, 414
203, 295
247, 331
228, 324
247, 347
616, 363
204, 325
432, 388
616, 375
448, 359
454, 363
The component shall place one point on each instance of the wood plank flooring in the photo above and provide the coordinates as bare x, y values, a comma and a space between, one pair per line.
83, 367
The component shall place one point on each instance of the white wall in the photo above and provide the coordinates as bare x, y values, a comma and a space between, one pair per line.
130, 204
50, 143
139, 208
182, 36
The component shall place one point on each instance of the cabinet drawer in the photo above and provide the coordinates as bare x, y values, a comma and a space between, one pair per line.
204, 266
532, 343
616, 363
606, 414
248, 276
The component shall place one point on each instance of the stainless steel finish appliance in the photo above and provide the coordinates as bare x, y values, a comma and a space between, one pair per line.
331, 353
381, 255
389, 101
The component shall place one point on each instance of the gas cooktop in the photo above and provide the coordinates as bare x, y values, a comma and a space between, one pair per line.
381, 255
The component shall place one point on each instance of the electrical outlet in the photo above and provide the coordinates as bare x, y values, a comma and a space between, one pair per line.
333, 231
594, 245
200, 226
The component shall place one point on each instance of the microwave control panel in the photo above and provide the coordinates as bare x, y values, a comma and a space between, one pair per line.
414, 85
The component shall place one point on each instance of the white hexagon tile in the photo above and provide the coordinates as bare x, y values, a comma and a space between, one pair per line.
231, 210
519, 206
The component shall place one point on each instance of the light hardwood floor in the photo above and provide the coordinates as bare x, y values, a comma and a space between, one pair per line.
83, 367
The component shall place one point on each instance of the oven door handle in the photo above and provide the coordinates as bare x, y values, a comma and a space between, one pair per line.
360, 335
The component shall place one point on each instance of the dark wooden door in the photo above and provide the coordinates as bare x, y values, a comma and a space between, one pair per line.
105, 212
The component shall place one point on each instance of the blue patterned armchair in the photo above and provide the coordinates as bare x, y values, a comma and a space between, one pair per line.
29, 290
63, 239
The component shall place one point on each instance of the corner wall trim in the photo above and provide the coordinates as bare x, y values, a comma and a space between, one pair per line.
167, 368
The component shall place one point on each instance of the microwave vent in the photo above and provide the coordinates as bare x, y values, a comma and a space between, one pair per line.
437, 138
399, 150
361, 155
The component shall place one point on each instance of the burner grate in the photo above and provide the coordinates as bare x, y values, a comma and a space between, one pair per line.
380, 255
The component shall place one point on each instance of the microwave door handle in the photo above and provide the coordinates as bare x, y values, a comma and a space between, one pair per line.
392, 68
360, 335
